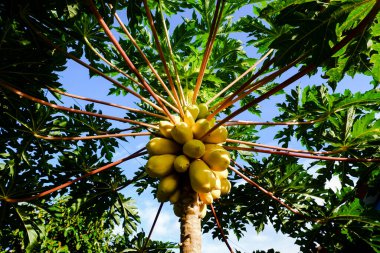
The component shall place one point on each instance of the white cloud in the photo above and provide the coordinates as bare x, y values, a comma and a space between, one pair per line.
252, 241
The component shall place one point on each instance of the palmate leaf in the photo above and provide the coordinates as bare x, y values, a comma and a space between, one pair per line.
345, 61
129, 213
375, 60
26, 222
375, 56
333, 114
365, 130
297, 28
263, 34
367, 101
354, 212
374, 241
137, 245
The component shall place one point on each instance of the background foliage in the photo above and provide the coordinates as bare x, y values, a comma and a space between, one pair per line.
37, 38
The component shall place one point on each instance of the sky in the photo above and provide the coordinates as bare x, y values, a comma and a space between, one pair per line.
75, 80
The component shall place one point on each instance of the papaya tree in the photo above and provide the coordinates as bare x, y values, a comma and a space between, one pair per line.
198, 72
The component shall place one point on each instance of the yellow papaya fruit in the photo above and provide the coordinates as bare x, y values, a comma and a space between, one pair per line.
215, 194
165, 127
181, 163
203, 111
212, 122
175, 197
210, 147
206, 198
194, 148
219, 135
169, 184
160, 165
194, 110
217, 159
177, 119
202, 210
221, 174
162, 146
225, 186
182, 133
200, 128
202, 178
218, 184
188, 118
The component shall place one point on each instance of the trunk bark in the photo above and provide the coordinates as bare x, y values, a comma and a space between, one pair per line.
191, 234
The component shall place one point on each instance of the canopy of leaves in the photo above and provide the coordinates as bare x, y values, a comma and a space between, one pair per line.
36, 39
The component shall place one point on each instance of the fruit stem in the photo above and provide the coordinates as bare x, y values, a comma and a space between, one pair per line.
308, 156
178, 81
221, 229
162, 57
91, 137
77, 111
154, 71
268, 193
153, 226
68, 183
239, 78
89, 67
209, 45
107, 103
127, 60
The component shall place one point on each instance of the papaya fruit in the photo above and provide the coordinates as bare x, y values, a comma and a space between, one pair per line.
169, 184
221, 174
218, 184
206, 198
165, 127
216, 193
182, 133
203, 111
202, 179
160, 165
177, 119
200, 128
188, 118
162, 197
212, 122
194, 149
219, 135
210, 147
162, 146
194, 110
181, 163
202, 210
175, 196
225, 186
217, 159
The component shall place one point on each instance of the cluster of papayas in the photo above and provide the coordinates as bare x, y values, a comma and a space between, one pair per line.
184, 148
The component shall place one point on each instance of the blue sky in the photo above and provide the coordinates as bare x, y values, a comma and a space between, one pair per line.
75, 80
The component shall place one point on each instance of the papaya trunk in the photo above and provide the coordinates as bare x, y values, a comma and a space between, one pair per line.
191, 235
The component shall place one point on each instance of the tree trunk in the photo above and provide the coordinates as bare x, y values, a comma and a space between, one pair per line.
191, 235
